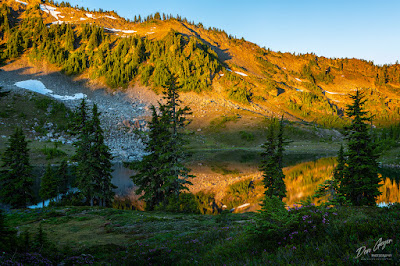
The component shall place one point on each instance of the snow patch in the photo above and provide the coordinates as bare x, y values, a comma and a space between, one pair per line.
77, 96
21, 2
240, 73
299, 90
111, 17
329, 92
83, 18
33, 85
89, 15
51, 10
109, 29
117, 30
384, 204
298, 79
38, 87
229, 70
221, 75
242, 206
128, 31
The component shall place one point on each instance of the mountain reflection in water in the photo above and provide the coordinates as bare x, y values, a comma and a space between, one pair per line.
303, 179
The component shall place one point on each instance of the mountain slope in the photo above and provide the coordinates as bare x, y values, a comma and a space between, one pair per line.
229, 75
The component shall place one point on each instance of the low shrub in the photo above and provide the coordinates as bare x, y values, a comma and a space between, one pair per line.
247, 136
52, 152
185, 203
277, 226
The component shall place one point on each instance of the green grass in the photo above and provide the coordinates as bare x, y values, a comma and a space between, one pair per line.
33, 112
113, 236
52, 153
220, 122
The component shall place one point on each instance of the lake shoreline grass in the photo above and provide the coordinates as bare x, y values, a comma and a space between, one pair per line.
110, 237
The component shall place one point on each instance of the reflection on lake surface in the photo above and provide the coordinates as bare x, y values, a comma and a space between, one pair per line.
121, 179
303, 179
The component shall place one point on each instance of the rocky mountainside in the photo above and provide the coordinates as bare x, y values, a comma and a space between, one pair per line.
218, 73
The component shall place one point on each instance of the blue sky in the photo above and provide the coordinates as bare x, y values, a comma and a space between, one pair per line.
367, 29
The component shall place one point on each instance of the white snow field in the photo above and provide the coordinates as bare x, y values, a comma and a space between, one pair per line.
329, 92
128, 31
38, 86
240, 73
298, 79
33, 85
24, 3
51, 10
117, 30
77, 96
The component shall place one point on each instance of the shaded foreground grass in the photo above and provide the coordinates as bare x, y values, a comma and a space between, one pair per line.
109, 237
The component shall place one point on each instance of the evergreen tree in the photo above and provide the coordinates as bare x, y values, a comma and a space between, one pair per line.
360, 181
162, 174
48, 185
149, 179
62, 177
338, 171
271, 164
100, 158
331, 188
94, 158
69, 38
174, 117
84, 171
16, 180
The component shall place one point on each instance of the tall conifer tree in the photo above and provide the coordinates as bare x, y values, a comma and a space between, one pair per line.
149, 179
360, 182
93, 157
16, 180
271, 164
100, 158
162, 173
48, 185
62, 177
84, 171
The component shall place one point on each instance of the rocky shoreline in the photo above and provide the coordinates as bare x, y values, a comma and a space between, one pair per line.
121, 114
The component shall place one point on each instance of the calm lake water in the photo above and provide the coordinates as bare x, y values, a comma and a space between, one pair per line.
302, 179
